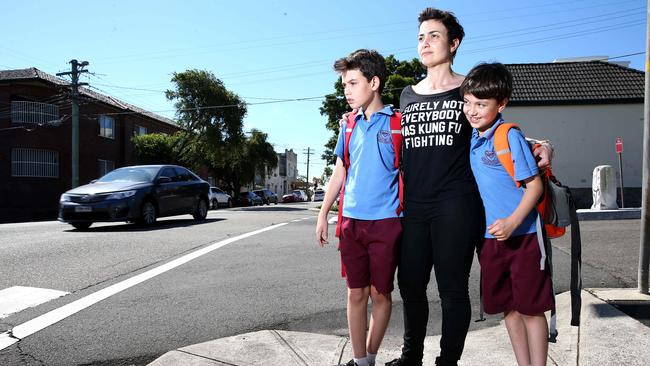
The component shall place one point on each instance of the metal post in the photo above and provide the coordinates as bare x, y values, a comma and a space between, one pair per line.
620, 169
644, 246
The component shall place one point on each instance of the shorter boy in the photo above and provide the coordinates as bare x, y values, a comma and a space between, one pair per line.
511, 279
370, 228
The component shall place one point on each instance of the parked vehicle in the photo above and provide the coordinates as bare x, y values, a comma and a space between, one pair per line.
138, 194
301, 194
249, 199
267, 196
319, 194
291, 197
219, 198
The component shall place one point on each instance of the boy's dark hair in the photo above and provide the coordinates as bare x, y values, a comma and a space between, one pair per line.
449, 20
369, 62
487, 81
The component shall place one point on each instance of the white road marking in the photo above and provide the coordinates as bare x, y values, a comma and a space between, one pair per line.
39, 323
17, 298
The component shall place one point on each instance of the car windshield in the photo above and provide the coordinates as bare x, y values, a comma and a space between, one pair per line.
130, 175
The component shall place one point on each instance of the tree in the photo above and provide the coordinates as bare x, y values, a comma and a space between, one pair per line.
155, 148
255, 156
400, 75
211, 117
327, 172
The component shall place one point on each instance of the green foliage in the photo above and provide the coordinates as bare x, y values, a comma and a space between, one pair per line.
155, 148
400, 75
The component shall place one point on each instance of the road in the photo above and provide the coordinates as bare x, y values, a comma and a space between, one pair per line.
277, 279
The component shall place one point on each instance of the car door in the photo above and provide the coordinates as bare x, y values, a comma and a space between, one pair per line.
168, 193
188, 189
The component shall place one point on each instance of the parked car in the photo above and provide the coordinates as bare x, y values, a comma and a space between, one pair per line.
291, 197
319, 194
267, 196
219, 198
249, 199
301, 195
138, 194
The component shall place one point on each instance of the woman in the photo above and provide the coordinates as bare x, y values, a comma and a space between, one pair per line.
443, 213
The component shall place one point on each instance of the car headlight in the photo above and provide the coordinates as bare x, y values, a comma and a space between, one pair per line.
65, 198
120, 195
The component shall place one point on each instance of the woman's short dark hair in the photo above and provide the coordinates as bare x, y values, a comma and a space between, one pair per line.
487, 81
449, 20
369, 62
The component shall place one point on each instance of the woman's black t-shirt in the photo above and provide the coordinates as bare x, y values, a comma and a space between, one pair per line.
435, 147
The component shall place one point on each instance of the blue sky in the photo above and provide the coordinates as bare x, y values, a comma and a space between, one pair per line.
271, 51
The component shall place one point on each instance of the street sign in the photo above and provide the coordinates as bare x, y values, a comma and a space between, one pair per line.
619, 145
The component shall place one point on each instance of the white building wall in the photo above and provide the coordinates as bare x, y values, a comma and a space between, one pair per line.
584, 137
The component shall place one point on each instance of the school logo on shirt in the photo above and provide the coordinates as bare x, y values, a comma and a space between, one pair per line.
490, 158
383, 137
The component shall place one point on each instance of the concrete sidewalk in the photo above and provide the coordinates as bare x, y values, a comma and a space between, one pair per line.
606, 336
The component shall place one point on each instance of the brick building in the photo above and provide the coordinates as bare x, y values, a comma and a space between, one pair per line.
35, 140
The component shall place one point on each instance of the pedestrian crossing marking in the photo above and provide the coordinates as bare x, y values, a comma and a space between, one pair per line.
18, 298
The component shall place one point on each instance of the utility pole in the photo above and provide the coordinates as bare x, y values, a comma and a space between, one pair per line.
76, 69
308, 153
644, 246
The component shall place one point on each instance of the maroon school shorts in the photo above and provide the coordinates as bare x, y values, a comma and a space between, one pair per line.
368, 252
511, 278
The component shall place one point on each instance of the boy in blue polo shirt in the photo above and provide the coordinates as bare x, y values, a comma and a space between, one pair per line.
370, 228
512, 281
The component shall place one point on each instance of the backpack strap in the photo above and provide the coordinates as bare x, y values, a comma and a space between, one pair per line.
348, 128
502, 149
396, 136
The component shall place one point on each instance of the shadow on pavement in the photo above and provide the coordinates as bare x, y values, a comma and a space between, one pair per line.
159, 225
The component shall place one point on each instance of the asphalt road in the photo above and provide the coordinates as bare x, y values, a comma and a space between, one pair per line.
278, 279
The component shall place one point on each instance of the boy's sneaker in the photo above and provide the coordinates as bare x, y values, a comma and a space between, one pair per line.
350, 363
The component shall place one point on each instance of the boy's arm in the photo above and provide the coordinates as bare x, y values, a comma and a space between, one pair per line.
333, 189
501, 229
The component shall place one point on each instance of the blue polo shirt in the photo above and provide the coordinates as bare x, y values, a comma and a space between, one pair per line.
499, 193
371, 185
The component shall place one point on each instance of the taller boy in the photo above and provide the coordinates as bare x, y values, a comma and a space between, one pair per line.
370, 228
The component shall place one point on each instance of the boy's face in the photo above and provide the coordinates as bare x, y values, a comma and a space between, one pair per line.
433, 43
481, 113
358, 91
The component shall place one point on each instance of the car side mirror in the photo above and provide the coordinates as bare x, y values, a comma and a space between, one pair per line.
93, 181
163, 179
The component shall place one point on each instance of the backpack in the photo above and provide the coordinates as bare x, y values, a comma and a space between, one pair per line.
396, 137
556, 210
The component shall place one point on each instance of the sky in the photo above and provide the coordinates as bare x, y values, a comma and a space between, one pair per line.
278, 55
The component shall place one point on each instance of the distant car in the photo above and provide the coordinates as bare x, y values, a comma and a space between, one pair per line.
219, 198
301, 195
291, 197
138, 194
249, 199
267, 196
319, 195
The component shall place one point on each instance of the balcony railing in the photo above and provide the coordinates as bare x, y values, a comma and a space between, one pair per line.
33, 112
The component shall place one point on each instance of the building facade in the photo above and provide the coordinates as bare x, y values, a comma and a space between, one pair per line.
582, 107
35, 140
281, 178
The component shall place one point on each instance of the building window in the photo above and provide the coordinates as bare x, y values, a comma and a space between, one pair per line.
105, 166
140, 130
34, 163
34, 112
107, 127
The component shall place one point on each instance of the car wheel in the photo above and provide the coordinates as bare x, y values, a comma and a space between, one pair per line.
201, 210
147, 213
268, 202
81, 225
215, 204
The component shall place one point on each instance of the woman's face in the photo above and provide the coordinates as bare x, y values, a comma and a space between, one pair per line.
434, 47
